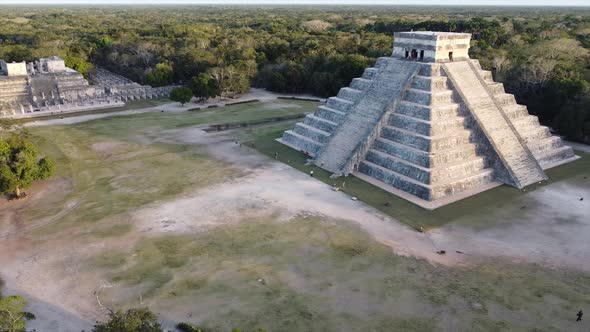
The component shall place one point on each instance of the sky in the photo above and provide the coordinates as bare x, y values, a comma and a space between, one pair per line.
311, 2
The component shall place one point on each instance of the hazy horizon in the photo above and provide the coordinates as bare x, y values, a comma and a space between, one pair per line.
500, 3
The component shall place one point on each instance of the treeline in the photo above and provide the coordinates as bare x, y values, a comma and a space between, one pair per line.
541, 56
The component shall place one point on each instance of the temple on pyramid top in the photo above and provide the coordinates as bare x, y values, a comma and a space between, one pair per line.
431, 46
430, 125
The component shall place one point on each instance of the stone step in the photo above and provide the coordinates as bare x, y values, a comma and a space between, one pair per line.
449, 172
432, 70
515, 111
496, 88
340, 153
551, 156
429, 83
339, 104
361, 84
458, 170
487, 76
526, 123
320, 123
394, 179
13, 93
452, 155
428, 128
370, 73
535, 134
405, 122
427, 98
441, 112
311, 132
422, 190
12, 88
445, 142
413, 109
381, 61
300, 142
349, 94
402, 151
399, 165
330, 114
505, 99
540, 146
426, 112
412, 139
426, 143
453, 187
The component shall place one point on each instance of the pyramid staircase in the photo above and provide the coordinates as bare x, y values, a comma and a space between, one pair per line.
428, 147
432, 130
311, 135
547, 149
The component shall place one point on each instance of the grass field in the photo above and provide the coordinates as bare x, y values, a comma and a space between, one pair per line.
308, 273
316, 274
115, 164
473, 209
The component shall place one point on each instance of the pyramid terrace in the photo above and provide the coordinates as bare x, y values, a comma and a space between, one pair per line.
429, 125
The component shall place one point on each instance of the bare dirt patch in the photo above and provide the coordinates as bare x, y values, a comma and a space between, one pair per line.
109, 147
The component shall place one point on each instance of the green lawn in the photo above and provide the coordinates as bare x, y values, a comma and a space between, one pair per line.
330, 275
474, 208
115, 164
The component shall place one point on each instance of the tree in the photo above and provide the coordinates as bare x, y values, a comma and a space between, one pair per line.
161, 75
203, 86
12, 316
80, 64
132, 320
181, 95
19, 164
188, 327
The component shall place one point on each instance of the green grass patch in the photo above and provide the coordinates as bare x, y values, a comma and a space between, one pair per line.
314, 276
112, 231
477, 210
110, 260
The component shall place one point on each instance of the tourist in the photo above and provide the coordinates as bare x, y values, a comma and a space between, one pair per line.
311, 173
276, 155
580, 314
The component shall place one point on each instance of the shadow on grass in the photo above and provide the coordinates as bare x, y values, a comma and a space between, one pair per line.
481, 204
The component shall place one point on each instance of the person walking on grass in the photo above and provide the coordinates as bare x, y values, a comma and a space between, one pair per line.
579, 314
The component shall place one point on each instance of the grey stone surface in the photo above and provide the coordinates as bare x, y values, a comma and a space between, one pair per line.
507, 143
388, 85
48, 87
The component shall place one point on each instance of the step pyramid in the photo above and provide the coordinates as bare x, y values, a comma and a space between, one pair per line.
429, 125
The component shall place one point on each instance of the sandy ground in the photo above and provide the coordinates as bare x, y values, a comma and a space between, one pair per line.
547, 235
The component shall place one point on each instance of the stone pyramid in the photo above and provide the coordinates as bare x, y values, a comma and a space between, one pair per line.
429, 125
